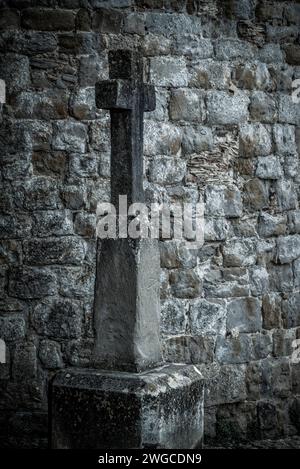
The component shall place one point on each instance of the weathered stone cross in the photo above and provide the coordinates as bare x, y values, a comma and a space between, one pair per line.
127, 98
130, 399
127, 286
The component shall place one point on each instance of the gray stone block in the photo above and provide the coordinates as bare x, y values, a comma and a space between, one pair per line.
174, 255
262, 345
48, 20
24, 362
37, 193
237, 349
82, 103
271, 310
224, 383
216, 229
294, 221
52, 223
281, 278
168, 24
269, 167
50, 354
37, 43
289, 110
167, 170
263, 107
31, 282
61, 319
286, 195
192, 46
231, 49
10, 19
244, 315
238, 253
271, 225
107, 21
241, 9
284, 136
162, 408
50, 104
209, 74
259, 280
69, 136
222, 108
291, 311
292, 52
282, 342
189, 349
67, 250
226, 289
208, 317
288, 248
85, 224
187, 105
83, 20
253, 76
173, 317
90, 69
156, 45
254, 140
197, 139
256, 194
185, 283
18, 226
74, 197
134, 23
12, 327
111, 3
291, 166
223, 201
162, 138
168, 71
271, 53
14, 69
76, 282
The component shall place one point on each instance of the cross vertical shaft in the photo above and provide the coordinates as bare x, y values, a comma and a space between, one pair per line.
127, 285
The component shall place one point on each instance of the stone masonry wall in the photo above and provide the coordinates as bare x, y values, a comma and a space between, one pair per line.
226, 129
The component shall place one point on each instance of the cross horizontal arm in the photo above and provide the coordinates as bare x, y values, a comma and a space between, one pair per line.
120, 94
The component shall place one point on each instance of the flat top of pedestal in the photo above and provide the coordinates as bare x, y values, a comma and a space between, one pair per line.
149, 382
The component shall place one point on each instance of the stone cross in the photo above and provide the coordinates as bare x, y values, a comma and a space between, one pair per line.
127, 302
127, 98
133, 400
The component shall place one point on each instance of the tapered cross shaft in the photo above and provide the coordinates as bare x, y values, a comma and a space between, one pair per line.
127, 302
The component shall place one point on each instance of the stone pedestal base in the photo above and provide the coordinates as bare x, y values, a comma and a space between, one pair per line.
95, 409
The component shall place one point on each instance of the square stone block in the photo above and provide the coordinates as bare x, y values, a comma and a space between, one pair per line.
95, 409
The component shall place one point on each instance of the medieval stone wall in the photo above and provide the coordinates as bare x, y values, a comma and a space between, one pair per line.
226, 129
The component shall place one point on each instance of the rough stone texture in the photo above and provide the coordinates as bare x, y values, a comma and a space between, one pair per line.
269, 167
160, 409
255, 140
187, 106
222, 108
223, 73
